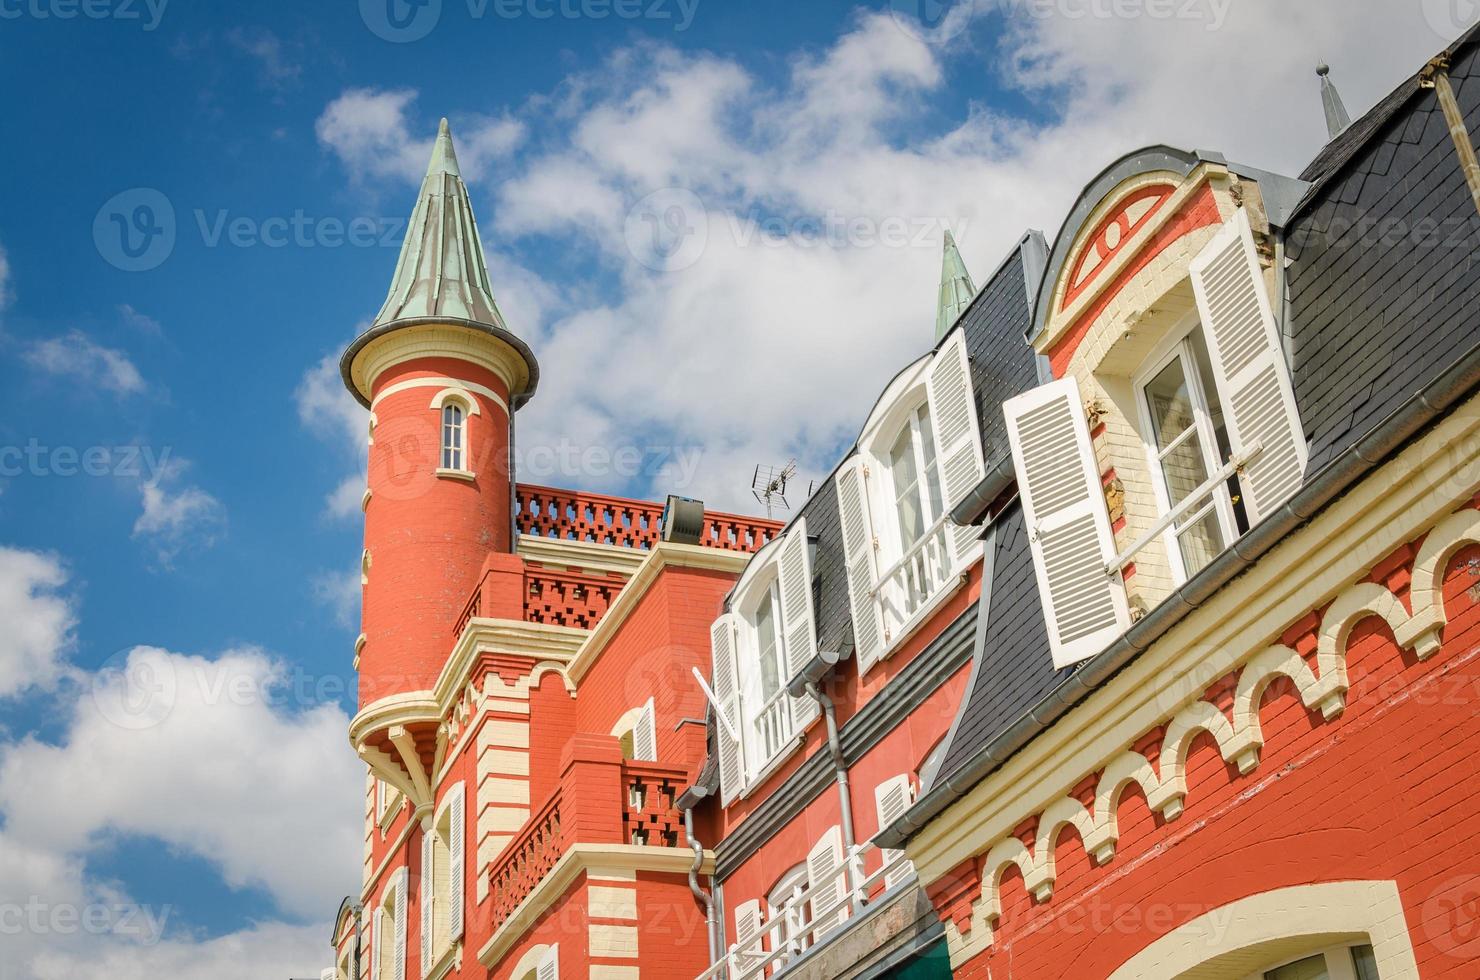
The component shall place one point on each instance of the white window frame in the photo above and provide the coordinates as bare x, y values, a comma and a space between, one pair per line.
1179, 345
766, 588
462, 399
897, 408
1340, 965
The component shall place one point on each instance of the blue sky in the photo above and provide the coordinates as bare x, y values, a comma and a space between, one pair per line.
179, 470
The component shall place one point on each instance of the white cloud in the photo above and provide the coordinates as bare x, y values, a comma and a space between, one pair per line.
5, 294
76, 355
141, 322
38, 620
330, 412
236, 761
369, 131
175, 516
278, 70
340, 591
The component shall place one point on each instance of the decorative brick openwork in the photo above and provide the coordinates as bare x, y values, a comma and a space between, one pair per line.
571, 515
525, 862
649, 813
568, 598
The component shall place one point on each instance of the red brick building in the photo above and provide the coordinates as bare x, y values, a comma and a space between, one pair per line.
1134, 636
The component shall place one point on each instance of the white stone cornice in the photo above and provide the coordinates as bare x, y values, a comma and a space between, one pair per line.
580, 556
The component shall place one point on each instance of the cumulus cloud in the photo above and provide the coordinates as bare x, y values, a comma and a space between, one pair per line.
77, 356
177, 515
141, 322
210, 758
39, 620
340, 591
368, 130
277, 68
330, 412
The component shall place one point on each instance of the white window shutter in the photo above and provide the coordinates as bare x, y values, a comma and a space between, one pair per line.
376, 925
549, 968
826, 883
645, 735
1068, 525
958, 434
893, 797
858, 555
1249, 365
798, 619
727, 691
748, 922
428, 895
400, 950
457, 848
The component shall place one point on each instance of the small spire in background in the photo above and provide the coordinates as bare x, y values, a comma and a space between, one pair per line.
1337, 119
956, 289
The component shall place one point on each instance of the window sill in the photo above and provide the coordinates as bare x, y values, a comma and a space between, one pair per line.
450, 958
777, 761
448, 474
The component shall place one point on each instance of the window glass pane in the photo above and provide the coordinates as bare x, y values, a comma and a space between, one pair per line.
1185, 468
906, 490
932, 468
1310, 968
1210, 390
765, 632
1200, 540
1365, 962
1170, 403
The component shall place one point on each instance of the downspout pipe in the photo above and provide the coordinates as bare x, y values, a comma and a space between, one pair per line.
711, 918
840, 764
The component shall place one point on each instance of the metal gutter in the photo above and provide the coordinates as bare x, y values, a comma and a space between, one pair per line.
973, 507
1335, 478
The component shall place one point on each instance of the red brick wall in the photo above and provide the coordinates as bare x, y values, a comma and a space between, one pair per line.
1386, 791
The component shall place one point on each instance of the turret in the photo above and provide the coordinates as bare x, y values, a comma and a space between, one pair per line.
442, 375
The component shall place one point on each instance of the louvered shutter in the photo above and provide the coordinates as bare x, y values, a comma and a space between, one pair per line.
958, 435
727, 691
457, 860
428, 895
798, 619
1249, 366
377, 925
1068, 525
645, 735
549, 968
748, 922
400, 949
893, 797
858, 555
825, 882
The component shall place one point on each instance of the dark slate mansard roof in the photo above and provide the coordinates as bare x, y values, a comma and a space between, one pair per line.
1382, 340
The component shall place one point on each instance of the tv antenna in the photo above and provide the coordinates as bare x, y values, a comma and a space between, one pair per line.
769, 485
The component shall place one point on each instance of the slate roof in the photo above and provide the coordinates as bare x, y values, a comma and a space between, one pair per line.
1371, 322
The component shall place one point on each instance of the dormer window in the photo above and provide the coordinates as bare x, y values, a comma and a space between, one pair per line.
765, 640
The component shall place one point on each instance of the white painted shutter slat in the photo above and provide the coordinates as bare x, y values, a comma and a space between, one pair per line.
457, 862
858, 555
1067, 522
798, 618
826, 887
375, 941
549, 968
645, 735
727, 691
958, 434
893, 797
748, 924
1249, 366
427, 896
400, 949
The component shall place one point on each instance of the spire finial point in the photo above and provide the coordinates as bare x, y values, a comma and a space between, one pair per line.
1337, 118
444, 158
1323, 69
956, 287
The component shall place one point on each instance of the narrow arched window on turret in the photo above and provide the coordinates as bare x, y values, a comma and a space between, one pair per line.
453, 425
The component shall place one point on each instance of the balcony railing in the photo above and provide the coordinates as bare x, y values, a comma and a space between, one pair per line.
571, 515
906, 587
812, 916
648, 816
568, 598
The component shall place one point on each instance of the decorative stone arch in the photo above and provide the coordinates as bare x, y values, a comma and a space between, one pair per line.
461, 396
1426, 591
1228, 943
1063, 812
1120, 772
1255, 678
549, 666
1005, 853
529, 963
1190, 722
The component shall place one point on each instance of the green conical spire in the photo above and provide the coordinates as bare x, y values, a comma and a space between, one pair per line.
442, 271
956, 288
